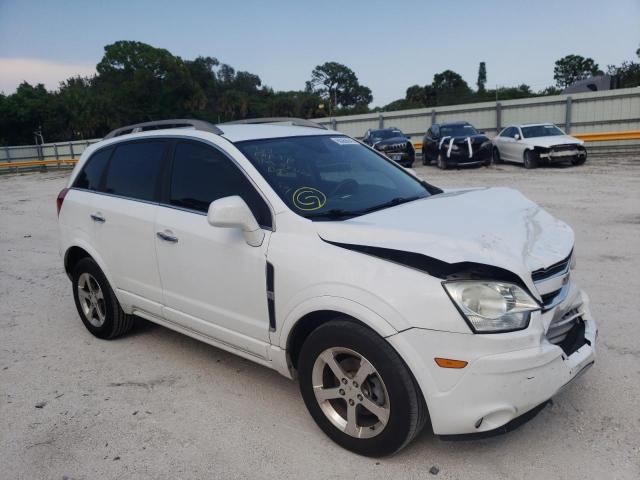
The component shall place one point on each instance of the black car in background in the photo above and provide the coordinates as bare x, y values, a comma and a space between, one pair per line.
393, 143
455, 144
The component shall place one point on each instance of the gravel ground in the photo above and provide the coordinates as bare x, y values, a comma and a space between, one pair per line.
156, 404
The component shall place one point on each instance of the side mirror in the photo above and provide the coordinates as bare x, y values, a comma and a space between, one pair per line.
233, 212
516, 136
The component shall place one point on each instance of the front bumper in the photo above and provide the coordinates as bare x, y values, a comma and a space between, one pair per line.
461, 157
507, 375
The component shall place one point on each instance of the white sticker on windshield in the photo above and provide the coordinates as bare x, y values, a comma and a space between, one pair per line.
344, 141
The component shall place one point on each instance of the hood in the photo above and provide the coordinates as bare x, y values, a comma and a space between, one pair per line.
498, 227
554, 140
478, 138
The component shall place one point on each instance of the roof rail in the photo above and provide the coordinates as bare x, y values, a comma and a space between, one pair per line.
163, 124
297, 122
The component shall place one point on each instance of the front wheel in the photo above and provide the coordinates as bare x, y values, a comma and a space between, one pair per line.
530, 159
358, 389
578, 160
442, 162
495, 153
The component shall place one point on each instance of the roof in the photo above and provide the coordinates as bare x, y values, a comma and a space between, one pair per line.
530, 124
452, 123
233, 133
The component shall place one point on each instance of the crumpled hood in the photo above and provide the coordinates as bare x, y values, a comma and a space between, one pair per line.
554, 140
491, 226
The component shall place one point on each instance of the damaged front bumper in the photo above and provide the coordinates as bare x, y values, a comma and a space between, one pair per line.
561, 153
509, 376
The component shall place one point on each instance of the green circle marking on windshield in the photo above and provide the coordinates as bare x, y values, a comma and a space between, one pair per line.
307, 198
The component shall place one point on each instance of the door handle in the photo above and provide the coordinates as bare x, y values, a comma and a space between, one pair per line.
97, 217
167, 237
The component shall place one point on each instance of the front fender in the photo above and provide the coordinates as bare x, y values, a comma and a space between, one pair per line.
333, 303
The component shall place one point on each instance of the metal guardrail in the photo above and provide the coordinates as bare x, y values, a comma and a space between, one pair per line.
11, 164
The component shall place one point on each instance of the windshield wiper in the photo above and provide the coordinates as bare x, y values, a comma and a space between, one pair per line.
333, 213
391, 203
339, 213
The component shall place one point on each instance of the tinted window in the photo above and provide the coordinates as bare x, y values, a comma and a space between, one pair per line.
134, 169
201, 174
436, 131
329, 176
91, 173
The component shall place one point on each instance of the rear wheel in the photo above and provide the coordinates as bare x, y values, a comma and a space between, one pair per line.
530, 159
97, 305
358, 389
578, 160
442, 162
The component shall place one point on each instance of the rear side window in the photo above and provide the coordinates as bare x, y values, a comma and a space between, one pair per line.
91, 174
202, 174
134, 169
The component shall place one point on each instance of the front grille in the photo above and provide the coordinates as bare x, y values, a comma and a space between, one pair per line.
551, 271
565, 147
395, 147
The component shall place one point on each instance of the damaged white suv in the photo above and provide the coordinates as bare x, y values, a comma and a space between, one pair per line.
301, 249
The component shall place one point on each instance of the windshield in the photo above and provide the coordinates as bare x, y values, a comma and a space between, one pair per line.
457, 130
541, 131
378, 135
330, 177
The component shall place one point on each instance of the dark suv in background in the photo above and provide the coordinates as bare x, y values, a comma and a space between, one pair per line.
455, 144
393, 143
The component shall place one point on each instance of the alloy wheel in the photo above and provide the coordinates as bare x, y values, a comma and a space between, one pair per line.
350, 392
91, 300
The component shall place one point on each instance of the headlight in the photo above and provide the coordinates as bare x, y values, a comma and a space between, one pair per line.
491, 307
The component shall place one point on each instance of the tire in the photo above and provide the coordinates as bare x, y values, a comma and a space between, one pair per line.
97, 305
388, 387
578, 161
495, 154
425, 158
530, 160
442, 162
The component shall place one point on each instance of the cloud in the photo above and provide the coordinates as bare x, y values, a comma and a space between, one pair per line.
14, 71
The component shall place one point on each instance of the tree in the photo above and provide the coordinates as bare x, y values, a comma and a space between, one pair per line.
482, 77
338, 86
572, 68
450, 88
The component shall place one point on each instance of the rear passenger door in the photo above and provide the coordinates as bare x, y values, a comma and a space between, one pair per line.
214, 283
124, 220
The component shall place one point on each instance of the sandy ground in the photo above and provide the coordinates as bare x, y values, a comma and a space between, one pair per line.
156, 404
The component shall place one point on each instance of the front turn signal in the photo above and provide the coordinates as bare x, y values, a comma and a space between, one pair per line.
450, 363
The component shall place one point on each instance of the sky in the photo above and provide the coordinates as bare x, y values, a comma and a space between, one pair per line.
390, 44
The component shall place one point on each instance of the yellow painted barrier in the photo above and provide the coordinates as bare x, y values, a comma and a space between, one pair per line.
39, 163
607, 136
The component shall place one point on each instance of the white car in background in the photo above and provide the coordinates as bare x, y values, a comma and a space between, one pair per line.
535, 144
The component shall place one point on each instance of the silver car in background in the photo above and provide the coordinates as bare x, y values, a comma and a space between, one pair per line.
537, 144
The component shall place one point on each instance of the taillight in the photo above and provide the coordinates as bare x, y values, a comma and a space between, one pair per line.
60, 199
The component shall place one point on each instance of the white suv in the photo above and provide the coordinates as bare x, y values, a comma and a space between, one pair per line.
310, 253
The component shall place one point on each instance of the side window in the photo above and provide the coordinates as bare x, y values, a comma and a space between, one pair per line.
93, 170
202, 174
509, 132
134, 169
436, 131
